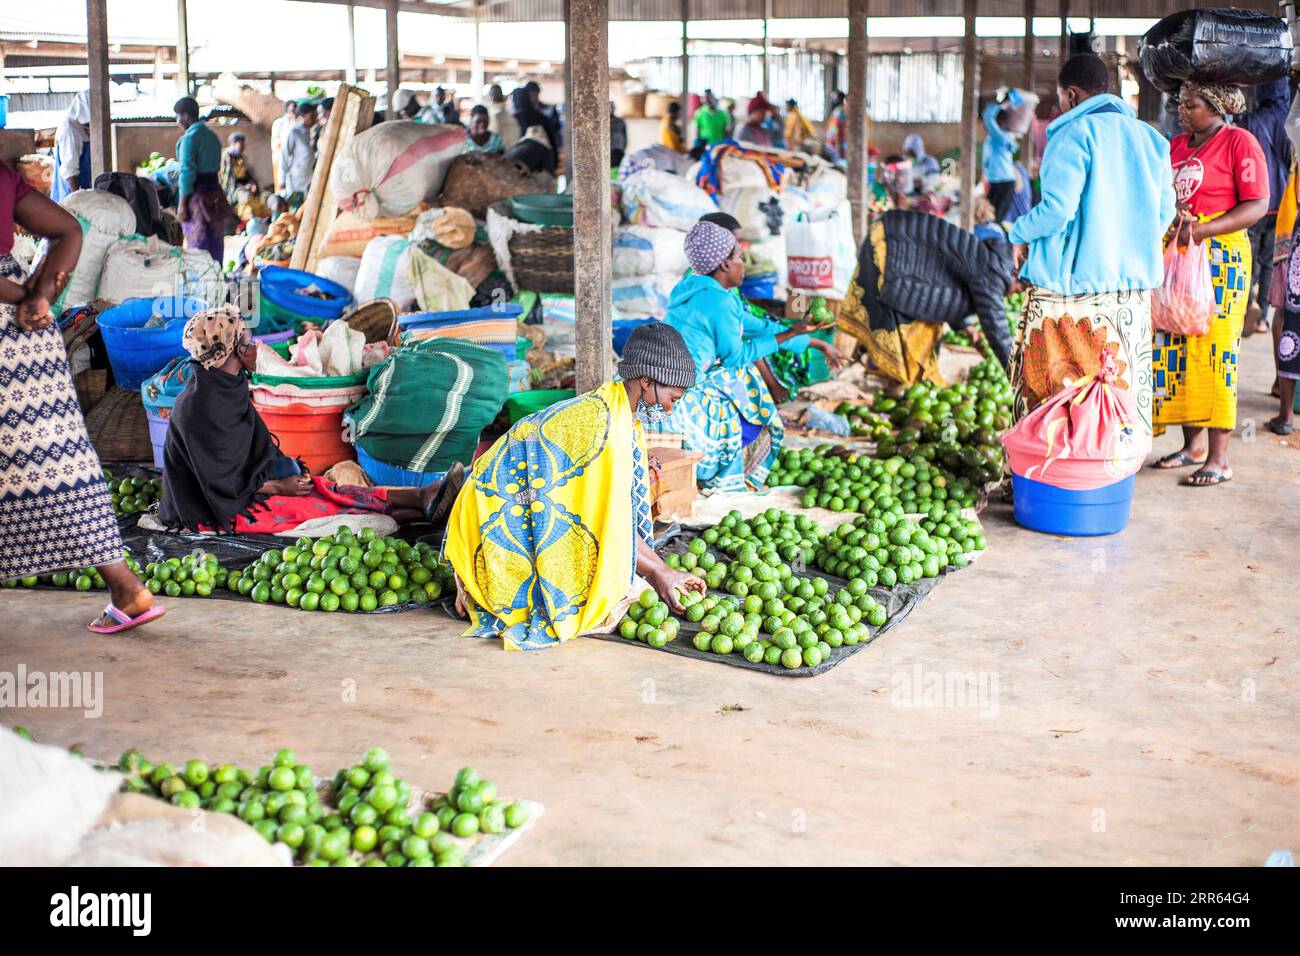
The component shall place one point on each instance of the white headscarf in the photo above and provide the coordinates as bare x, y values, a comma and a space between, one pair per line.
402, 99
72, 135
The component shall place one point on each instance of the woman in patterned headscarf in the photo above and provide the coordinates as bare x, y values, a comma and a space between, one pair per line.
1222, 186
223, 469
729, 416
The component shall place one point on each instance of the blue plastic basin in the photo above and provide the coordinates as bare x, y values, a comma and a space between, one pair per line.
136, 353
1053, 510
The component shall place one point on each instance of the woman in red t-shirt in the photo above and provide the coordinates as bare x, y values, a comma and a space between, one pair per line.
55, 512
1221, 181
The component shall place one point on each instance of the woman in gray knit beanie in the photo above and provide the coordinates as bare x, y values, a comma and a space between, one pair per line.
554, 526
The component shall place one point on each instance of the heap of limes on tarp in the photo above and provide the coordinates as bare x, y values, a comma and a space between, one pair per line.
346, 571
194, 575
82, 579
133, 495
366, 818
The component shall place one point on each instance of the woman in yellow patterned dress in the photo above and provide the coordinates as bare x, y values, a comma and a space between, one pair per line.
554, 522
1221, 181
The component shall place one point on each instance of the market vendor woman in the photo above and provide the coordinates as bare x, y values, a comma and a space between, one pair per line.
729, 415
554, 522
222, 468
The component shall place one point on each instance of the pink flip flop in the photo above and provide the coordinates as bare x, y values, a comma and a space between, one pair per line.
124, 621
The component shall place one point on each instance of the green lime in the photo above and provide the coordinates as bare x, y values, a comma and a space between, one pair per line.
465, 825
282, 778
515, 815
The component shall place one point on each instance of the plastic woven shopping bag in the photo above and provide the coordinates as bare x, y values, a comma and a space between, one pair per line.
1184, 303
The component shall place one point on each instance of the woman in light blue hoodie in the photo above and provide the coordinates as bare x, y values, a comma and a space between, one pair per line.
729, 416
1092, 248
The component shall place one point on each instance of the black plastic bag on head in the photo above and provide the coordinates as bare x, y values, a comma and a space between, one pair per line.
1241, 47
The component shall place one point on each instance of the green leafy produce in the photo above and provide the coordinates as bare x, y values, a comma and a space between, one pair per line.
346, 571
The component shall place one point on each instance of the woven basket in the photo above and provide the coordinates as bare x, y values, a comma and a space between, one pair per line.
542, 260
477, 180
118, 427
374, 318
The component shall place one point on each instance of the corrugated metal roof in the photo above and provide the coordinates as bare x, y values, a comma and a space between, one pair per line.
539, 10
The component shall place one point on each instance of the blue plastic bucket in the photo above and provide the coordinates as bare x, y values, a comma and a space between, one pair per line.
382, 473
1053, 510
136, 353
625, 327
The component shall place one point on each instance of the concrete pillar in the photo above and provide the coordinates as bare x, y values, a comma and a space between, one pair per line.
1027, 142
476, 78
1028, 80
855, 109
686, 76
566, 131
1065, 31
970, 96
101, 121
182, 48
351, 75
588, 144
394, 74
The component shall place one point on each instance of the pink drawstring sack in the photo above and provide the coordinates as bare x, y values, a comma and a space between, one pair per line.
1084, 437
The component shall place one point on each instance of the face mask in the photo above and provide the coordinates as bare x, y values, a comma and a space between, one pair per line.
651, 414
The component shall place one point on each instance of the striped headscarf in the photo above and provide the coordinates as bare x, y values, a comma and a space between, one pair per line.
1224, 98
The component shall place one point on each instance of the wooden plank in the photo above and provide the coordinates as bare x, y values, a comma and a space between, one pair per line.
855, 110
101, 133
353, 112
970, 99
587, 142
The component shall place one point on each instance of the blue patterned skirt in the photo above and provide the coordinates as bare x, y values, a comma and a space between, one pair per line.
55, 509
715, 416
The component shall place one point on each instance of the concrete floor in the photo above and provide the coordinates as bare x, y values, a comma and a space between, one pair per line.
1140, 703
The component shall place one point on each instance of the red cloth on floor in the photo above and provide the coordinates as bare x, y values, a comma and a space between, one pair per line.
284, 513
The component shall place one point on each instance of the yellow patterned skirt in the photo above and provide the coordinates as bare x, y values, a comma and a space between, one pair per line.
543, 536
1194, 377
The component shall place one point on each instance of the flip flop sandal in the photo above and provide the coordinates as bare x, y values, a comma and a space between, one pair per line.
1217, 476
436, 511
124, 621
1179, 459
1279, 427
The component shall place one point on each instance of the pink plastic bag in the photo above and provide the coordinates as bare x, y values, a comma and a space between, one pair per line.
1084, 437
1184, 303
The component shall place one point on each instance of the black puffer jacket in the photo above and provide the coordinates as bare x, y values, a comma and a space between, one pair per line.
938, 272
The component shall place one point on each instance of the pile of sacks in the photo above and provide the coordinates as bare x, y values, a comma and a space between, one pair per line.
388, 242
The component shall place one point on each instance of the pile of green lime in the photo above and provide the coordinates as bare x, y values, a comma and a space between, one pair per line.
955, 426
346, 571
195, 575
854, 482
371, 821
82, 579
864, 421
650, 620
133, 495
700, 560
888, 550
791, 537
279, 800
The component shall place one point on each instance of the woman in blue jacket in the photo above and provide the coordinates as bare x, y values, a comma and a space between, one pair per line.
1093, 245
729, 415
